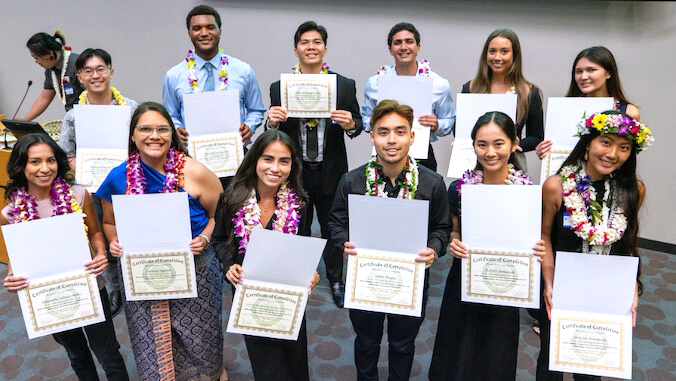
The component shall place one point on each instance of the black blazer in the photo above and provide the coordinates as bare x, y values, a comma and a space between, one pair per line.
335, 156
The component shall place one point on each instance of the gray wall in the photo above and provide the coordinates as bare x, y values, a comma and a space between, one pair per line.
146, 38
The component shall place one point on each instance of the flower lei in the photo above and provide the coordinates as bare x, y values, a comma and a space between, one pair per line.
173, 170
617, 124
119, 99
375, 185
249, 216
608, 222
423, 69
222, 72
476, 176
313, 122
62, 197
60, 91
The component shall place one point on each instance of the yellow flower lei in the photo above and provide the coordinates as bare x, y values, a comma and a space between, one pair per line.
119, 99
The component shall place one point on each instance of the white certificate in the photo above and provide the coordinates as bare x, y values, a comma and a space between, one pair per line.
154, 230
94, 164
470, 108
61, 294
384, 276
221, 153
212, 112
501, 268
278, 269
308, 95
591, 316
552, 162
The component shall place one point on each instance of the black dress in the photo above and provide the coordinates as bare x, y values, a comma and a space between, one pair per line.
474, 341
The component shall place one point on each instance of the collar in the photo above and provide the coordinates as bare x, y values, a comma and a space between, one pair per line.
59, 65
216, 61
400, 179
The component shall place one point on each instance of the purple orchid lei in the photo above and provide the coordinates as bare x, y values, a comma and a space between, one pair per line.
249, 216
173, 170
26, 208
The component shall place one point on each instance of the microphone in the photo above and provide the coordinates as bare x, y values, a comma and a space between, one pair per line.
23, 99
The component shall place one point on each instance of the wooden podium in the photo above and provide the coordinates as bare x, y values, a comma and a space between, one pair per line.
4, 158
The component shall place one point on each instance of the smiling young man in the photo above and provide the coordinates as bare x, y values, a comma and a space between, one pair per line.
404, 44
321, 142
204, 29
392, 137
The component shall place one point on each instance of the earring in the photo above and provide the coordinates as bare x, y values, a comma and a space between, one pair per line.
586, 155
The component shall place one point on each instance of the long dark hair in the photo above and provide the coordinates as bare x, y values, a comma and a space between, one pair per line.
601, 56
507, 126
42, 44
153, 106
19, 157
246, 179
625, 181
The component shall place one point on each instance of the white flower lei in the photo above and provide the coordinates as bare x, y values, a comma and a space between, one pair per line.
605, 228
423, 69
58, 87
375, 185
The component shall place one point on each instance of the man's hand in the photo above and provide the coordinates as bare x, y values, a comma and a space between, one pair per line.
344, 119
183, 135
245, 132
276, 115
430, 121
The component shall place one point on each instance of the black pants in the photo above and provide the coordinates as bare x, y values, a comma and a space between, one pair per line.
112, 276
100, 337
431, 161
279, 360
322, 201
401, 333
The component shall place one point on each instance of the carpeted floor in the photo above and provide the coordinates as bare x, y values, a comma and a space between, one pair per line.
330, 335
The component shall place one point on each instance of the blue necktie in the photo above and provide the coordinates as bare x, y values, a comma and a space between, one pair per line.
209, 82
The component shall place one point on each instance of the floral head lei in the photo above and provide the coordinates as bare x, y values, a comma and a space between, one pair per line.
313, 122
173, 170
423, 69
61, 194
476, 176
249, 216
222, 72
119, 99
375, 184
608, 222
617, 124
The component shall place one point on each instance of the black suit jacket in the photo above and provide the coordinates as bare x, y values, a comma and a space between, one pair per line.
335, 156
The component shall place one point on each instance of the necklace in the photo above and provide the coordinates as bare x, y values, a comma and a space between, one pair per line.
608, 221
173, 169
249, 216
60, 91
62, 198
119, 99
423, 69
313, 122
222, 72
476, 176
375, 185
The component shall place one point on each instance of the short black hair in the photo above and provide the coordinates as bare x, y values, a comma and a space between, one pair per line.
403, 26
89, 53
203, 10
309, 26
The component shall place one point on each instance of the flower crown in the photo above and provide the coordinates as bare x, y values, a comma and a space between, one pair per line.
617, 124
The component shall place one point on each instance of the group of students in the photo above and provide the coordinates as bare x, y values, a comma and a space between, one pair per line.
299, 165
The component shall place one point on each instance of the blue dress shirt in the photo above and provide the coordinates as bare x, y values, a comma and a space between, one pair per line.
240, 76
442, 103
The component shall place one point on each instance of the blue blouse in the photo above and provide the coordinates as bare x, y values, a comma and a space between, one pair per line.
116, 183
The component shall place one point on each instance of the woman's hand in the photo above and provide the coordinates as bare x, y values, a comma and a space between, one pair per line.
458, 248
198, 245
539, 250
15, 283
115, 249
349, 249
548, 300
634, 307
543, 148
235, 274
313, 284
97, 265
426, 256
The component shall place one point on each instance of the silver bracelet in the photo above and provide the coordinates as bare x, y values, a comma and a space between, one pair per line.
206, 238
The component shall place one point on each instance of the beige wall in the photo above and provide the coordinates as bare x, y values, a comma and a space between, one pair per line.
145, 38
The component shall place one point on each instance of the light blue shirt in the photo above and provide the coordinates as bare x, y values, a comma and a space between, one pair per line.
442, 103
240, 76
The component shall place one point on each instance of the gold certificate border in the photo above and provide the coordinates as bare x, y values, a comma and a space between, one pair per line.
329, 96
521, 254
196, 141
548, 160
188, 273
81, 156
557, 353
416, 275
294, 321
92, 286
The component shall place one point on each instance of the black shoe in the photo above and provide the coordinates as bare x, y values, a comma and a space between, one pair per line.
338, 293
115, 302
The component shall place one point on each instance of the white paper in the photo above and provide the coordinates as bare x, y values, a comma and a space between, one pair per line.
319, 93
102, 126
212, 112
552, 162
491, 222
389, 243
94, 164
154, 225
462, 158
220, 153
412, 91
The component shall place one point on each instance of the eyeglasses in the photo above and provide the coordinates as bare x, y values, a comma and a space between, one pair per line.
147, 130
88, 71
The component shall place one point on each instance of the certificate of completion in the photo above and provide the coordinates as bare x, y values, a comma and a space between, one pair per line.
94, 164
159, 275
308, 95
221, 153
497, 275
59, 303
462, 158
552, 162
